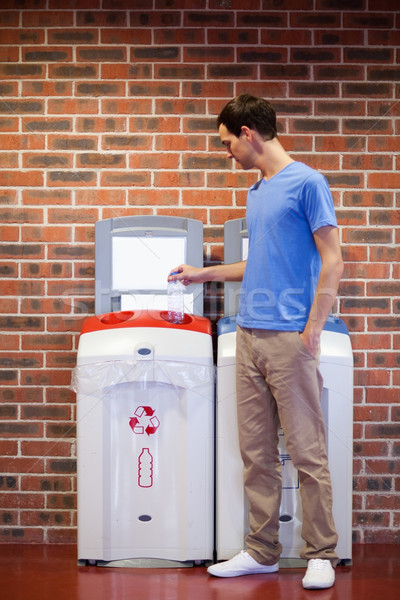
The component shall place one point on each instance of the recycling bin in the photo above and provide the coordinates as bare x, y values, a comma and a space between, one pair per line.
145, 429
336, 366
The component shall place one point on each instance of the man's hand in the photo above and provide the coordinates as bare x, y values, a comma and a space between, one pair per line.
187, 274
311, 342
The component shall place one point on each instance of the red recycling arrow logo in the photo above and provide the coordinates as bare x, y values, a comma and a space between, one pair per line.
144, 421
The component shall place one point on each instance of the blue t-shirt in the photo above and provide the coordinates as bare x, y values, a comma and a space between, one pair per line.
283, 262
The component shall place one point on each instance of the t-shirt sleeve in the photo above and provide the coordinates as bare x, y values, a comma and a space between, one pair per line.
318, 203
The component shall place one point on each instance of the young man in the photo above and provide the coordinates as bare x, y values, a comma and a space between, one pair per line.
289, 284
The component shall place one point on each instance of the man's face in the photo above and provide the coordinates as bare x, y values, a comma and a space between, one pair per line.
237, 148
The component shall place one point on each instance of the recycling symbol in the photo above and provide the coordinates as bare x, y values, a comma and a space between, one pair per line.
144, 421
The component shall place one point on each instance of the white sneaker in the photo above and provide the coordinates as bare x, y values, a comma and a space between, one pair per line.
241, 564
319, 575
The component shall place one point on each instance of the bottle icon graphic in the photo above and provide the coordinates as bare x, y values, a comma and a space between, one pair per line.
145, 469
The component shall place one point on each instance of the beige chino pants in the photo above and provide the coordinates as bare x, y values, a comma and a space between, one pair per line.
278, 382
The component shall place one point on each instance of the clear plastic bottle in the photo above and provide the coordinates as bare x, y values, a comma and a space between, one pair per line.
175, 301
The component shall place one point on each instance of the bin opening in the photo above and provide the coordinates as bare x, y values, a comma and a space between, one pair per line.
185, 321
114, 318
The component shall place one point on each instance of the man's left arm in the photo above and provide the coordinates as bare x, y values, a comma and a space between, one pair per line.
328, 245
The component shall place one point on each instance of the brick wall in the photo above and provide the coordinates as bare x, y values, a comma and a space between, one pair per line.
108, 109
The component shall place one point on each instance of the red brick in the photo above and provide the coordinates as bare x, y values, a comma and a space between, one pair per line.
20, 535
62, 536
367, 162
160, 197
339, 143
318, 20
366, 270
384, 359
182, 106
142, 106
22, 501
48, 18
47, 270
44, 306
105, 88
383, 323
127, 179
21, 394
154, 161
67, 324
179, 179
384, 180
100, 197
320, 162
372, 377
46, 197
281, 37
206, 197
371, 341
368, 19
71, 178
45, 518
133, 142
60, 394
378, 37
153, 89
51, 160
126, 35
8, 160
21, 142
77, 215
9, 233
46, 342
21, 178
385, 253
9, 124
384, 144
8, 447
21, 288
62, 106
45, 377
62, 360
371, 449
371, 413
218, 89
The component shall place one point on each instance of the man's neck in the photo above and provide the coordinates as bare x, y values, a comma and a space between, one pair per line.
273, 158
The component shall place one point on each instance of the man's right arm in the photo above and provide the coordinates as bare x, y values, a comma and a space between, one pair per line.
188, 274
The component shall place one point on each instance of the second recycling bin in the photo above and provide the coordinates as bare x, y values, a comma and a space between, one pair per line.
145, 424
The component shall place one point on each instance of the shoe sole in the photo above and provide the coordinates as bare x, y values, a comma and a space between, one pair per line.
316, 586
236, 574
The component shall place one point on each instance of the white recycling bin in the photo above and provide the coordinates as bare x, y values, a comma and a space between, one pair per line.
145, 428
336, 366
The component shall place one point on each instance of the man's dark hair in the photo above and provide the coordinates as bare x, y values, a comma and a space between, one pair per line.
255, 113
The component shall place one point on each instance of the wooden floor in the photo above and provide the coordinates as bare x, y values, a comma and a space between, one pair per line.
33, 572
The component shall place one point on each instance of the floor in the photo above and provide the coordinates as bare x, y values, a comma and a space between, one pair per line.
34, 572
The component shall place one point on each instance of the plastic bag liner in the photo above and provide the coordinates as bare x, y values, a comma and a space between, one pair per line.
92, 379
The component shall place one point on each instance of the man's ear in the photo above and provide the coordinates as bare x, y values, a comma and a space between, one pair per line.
248, 133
